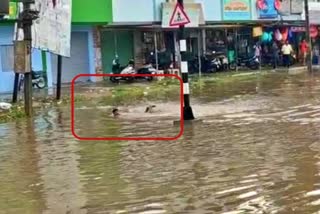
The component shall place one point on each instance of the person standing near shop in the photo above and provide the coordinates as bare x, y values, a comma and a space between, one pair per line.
257, 50
303, 51
286, 53
316, 54
275, 53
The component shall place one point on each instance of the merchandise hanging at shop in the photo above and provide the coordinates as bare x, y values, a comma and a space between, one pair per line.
236, 10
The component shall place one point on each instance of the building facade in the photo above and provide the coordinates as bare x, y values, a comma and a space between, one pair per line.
136, 32
103, 29
85, 46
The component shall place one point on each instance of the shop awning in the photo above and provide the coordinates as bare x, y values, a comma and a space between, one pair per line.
129, 24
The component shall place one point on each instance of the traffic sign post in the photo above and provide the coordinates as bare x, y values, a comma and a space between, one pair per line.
180, 18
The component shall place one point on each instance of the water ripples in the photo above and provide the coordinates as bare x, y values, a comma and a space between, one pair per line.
258, 154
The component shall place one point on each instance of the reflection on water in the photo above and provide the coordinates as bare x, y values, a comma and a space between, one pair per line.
252, 154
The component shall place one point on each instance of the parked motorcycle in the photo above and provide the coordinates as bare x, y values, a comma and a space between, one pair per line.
249, 62
146, 69
37, 80
193, 65
209, 64
116, 69
130, 69
224, 62
216, 64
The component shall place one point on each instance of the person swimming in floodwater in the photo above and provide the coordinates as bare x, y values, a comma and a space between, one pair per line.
149, 109
115, 112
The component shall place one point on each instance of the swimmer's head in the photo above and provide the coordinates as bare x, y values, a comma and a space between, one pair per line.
115, 112
149, 108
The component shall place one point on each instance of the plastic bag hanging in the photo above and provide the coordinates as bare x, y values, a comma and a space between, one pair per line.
278, 35
270, 36
285, 34
313, 31
265, 37
290, 34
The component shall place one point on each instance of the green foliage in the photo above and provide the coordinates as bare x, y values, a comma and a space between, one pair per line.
16, 112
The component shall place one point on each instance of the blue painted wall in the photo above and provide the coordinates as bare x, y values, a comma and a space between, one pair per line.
7, 78
91, 54
212, 10
150, 10
91, 49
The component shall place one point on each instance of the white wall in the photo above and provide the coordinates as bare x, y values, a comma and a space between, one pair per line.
133, 10
212, 10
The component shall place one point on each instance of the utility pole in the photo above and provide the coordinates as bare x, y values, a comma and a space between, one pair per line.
15, 88
308, 39
188, 114
27, 16
59, 74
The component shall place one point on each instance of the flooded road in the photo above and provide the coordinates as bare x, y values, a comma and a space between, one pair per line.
257, 151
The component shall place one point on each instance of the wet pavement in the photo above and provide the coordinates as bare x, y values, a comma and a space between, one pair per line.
257, 151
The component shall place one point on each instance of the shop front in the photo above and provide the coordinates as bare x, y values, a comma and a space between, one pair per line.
314, 14
142, 44
116, 42
150, 41
145, 44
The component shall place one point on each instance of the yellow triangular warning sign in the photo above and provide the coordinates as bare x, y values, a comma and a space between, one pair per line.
179, 17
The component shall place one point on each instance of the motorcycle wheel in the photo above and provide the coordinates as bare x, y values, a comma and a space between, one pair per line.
130, 79
113, 80
254, 66
149, 79
213, 70
41, 83
233, 66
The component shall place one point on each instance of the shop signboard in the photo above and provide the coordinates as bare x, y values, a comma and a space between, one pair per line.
314, 13
313, 30
285, 7
52, 31
298, 29
236, 10
267, 9
297, 6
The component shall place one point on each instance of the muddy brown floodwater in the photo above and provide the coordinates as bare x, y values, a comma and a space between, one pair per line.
257, 151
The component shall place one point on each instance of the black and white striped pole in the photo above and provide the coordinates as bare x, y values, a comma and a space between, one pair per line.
188, 113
